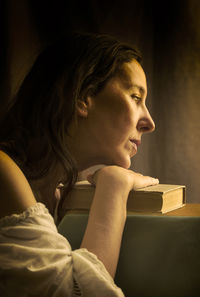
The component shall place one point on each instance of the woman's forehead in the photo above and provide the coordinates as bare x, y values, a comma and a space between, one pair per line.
132, 75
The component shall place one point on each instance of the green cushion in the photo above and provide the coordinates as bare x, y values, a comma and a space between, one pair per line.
160, 255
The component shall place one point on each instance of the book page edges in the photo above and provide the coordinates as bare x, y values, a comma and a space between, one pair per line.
157, 201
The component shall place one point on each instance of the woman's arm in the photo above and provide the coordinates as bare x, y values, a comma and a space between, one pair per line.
44, 258
108, 212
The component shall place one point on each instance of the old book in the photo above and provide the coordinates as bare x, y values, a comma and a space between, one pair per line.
160, 198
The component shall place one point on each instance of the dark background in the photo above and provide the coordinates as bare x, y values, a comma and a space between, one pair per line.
168, 35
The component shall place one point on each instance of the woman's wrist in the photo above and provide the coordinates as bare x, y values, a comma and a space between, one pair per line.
106, 223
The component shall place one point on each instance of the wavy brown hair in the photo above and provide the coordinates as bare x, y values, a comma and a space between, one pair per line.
70, 69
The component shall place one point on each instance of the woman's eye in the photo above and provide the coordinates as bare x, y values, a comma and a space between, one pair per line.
136, 98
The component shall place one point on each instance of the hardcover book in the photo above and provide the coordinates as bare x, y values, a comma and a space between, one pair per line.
160, 198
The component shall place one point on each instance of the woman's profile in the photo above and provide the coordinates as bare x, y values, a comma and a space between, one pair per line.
82, 104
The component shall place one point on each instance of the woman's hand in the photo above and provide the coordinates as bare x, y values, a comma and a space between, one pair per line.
108, 211
120, 177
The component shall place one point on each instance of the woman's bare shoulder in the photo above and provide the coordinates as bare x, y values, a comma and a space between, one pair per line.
15, 192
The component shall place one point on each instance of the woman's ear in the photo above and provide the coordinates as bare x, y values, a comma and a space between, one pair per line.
83, 107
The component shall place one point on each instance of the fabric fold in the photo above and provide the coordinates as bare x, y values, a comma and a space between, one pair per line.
35, 260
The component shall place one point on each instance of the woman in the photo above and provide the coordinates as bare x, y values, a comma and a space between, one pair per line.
82, 104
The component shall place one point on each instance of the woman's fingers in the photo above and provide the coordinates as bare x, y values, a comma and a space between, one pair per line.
141, 181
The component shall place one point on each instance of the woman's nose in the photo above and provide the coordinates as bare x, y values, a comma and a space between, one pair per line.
146, 123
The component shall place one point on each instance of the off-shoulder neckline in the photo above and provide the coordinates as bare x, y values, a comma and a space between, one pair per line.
38, 208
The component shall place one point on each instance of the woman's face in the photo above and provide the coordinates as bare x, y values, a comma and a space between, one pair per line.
116, 118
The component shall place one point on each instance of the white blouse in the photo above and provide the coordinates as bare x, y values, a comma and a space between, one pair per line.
35, 260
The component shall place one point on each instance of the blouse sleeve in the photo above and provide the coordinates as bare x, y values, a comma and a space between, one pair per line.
35, 260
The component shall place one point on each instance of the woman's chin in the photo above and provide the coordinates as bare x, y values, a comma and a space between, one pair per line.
118, 159
123, 162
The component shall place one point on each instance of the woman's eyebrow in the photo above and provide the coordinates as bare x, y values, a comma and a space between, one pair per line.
129, 85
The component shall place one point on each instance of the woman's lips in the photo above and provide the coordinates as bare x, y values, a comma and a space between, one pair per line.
135, 143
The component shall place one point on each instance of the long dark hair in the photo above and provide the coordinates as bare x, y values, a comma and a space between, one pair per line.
70, 69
